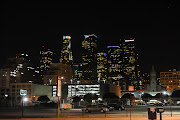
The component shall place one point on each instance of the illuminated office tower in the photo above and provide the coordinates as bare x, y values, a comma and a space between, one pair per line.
66, 52
130, 62
45, 59
89, 59
114, 64
102, 67
77, 68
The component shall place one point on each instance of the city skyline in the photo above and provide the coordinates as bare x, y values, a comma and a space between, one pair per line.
153, 24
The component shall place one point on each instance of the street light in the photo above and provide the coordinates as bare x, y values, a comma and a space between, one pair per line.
6, 95
23, 100
164, 92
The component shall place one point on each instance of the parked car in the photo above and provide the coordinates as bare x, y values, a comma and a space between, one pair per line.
158, 104
155, 104
150, 103
95, 108
117, 106
111, 108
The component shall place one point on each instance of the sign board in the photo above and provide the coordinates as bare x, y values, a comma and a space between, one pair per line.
160, 109
131, 88
152, 113
23, 92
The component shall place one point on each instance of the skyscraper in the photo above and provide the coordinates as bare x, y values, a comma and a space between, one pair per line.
66, 52
102, 67
89, 58
45, 59
114, 64
130, 61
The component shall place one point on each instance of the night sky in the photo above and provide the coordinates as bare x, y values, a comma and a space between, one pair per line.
155, 25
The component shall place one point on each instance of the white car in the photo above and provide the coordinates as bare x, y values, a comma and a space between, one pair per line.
94, 108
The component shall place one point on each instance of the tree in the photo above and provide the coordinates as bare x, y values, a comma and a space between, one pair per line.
175, 96
43, 99
146, 97
111, 97
89, 97
76, 99
128, 96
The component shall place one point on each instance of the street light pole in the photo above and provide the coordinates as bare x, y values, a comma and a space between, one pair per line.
59, 94
23, 100
22, 108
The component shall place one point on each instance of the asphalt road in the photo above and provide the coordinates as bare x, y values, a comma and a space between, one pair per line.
135, 111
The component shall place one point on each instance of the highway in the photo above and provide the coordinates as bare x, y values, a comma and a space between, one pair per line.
135, 111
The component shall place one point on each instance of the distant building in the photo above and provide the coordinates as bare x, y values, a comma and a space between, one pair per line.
77, 69
58, 69
102, 67
170, 79
66, 52
98, 89
23, 55
153, 81
153, 87
15, 95
45, 59
14, 71
130, 62
89, 58
114, 64
144, 79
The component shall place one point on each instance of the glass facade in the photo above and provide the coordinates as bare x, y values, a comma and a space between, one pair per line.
66, 52
114, 63
89, 58
81, 90
130, 62
102, 67
45, 59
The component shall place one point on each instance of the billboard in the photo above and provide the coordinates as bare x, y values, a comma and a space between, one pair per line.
23, 92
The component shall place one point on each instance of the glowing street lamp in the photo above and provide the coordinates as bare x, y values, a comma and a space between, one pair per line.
25, 99
164, 93
6, 95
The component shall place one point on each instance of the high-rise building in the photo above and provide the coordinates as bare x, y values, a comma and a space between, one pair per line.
102, 67
89, 58
14, 71
114, 64
66, 52
77, 68
170, 79
130, 62
144, 79
45, 59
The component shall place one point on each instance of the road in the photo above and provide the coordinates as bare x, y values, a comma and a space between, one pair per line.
135, 111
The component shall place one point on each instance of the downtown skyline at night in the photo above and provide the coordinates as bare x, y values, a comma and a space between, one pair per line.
94, 60
27, 27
